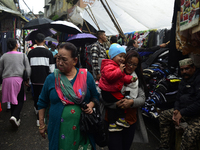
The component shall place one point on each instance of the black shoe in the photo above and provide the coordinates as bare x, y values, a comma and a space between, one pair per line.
7, 110
28, 89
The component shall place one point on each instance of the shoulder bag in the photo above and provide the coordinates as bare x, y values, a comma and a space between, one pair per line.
25, 74
94, 124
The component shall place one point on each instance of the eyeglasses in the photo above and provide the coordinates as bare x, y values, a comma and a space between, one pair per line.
132, 65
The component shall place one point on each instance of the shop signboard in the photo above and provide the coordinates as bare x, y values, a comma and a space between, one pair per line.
189, 15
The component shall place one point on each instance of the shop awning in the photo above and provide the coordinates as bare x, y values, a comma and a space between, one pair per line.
8, 10
132, 15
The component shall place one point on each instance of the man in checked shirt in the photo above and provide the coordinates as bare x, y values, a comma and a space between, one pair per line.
98, 52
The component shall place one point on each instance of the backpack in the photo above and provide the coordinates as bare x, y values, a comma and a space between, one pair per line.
88, 56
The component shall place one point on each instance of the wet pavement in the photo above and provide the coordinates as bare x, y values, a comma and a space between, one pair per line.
27, 136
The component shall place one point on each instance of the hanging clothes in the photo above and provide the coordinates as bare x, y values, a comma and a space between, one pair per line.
4, 36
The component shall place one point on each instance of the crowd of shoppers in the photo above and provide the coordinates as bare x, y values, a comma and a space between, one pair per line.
60, 92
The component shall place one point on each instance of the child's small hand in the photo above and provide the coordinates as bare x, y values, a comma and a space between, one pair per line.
122, 67
133, 79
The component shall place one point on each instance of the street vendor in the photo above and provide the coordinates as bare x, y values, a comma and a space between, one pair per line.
186, 108
133, 45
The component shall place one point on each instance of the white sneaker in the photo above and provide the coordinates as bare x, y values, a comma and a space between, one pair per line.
38, 123
14, 122
36, 111
8, 105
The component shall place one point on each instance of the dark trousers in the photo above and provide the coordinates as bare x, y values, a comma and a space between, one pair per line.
36, 90
121, 140
16, 109
113, 114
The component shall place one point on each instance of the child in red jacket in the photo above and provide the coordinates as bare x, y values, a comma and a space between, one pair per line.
111, 82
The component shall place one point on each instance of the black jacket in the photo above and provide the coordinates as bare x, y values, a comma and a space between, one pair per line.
143, 51
188, 96
151, 49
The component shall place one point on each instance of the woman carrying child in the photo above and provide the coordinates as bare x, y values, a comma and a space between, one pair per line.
123, 140
111, 82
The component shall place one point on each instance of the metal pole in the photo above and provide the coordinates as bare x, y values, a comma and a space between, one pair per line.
112, 18
116, 21
87, 26
93, 19
29, 9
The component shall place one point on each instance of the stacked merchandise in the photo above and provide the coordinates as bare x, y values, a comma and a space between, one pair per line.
162, 83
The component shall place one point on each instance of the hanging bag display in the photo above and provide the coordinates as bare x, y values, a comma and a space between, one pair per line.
25, 74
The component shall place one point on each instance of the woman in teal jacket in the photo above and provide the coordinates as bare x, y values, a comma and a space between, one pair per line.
64, 90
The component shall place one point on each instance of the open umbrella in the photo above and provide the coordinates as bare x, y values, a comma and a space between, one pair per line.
65, 26
38, 23
32, 35
54, 41
82, 38
50, 39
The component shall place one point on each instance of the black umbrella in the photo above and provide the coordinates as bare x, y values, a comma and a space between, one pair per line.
50, 39
38, 23
32, 35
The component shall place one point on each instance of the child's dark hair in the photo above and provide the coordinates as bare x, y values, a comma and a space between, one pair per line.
11, 44
53, 47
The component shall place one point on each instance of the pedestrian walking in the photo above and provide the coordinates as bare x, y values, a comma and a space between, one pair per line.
98, 52
65, 90
42, 64
54, 51
11, 71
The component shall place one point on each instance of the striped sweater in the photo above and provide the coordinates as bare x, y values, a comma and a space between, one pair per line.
42, 64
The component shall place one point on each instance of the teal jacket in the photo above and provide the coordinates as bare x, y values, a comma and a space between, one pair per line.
49, 96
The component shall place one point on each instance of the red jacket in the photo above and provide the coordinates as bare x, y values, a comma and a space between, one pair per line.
112, 79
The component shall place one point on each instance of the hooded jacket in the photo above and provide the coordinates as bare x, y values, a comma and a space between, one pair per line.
112, 78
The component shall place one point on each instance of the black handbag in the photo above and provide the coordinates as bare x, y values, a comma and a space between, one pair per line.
25, 74
94, 124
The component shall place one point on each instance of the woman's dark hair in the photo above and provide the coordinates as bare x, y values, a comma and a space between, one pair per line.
53, 47
70, 47
131, 42
138, 70
49, 43
11, 44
